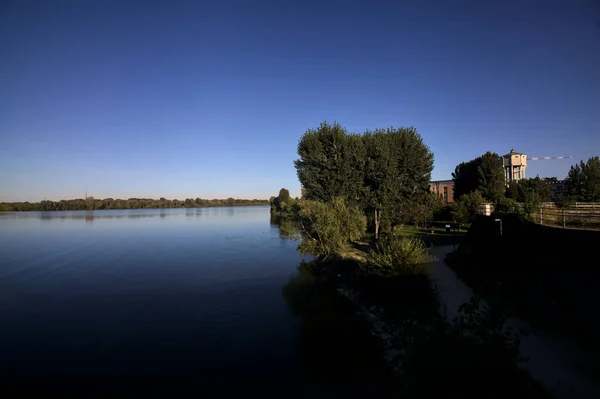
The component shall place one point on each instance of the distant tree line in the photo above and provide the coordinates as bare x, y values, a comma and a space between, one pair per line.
131, 203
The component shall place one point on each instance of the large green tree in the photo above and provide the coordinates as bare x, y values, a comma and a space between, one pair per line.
331, 163
466, 178
484, 173
491, 177
584, 180
535, 190
282, 202
284, 195
397, 173
385, 172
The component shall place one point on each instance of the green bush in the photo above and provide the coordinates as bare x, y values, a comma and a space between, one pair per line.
507, 205
396, 255
467, 207
324, 229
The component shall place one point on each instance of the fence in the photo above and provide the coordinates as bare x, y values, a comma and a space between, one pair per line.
577, 205
579, 216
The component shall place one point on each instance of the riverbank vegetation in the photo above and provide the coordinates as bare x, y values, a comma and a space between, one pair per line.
360, 194
385, 172
131, 203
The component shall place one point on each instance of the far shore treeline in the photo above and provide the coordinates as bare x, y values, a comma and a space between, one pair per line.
131, 203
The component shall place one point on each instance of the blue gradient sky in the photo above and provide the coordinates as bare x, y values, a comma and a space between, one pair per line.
187, 99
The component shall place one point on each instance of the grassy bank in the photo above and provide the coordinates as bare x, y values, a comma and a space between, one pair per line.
435, 236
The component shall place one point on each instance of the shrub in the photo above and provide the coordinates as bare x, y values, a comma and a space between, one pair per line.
324, 228
396, 255
467, 207
507, 205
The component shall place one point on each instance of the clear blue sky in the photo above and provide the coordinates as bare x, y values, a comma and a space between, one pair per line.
187, 99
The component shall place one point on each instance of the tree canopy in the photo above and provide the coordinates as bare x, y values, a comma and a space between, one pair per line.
583, 180
467, 207
484, 173
330, 164
397, 172
282, 202
383, 172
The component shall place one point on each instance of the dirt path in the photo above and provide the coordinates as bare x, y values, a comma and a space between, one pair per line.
552, 361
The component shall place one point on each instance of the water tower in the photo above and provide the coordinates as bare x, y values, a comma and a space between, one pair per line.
514, 164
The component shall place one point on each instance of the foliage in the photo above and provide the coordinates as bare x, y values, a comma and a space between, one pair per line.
423, 211
331, 164
281, 203
465, 178
397, 173
433, 237
491, 177
484, 173
584, 180
383, 172
565, 201
512, 190
284, 195
399, 256
467, 207
324, 229
532, 192
507, 205
131, 203
536, 188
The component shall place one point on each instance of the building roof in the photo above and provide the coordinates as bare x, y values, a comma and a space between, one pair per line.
513, 152
442, 182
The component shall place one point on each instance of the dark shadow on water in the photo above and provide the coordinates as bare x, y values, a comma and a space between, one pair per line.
339, 355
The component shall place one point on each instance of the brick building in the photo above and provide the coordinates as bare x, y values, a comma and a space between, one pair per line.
444, 188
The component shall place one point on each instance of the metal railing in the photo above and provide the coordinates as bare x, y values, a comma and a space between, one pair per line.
577, 216
577, 205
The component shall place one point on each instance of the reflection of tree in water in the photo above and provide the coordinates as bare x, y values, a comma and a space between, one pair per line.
275, 220
285, 226
338, 351
89, 219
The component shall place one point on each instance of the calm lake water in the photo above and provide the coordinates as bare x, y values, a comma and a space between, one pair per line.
201, 300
